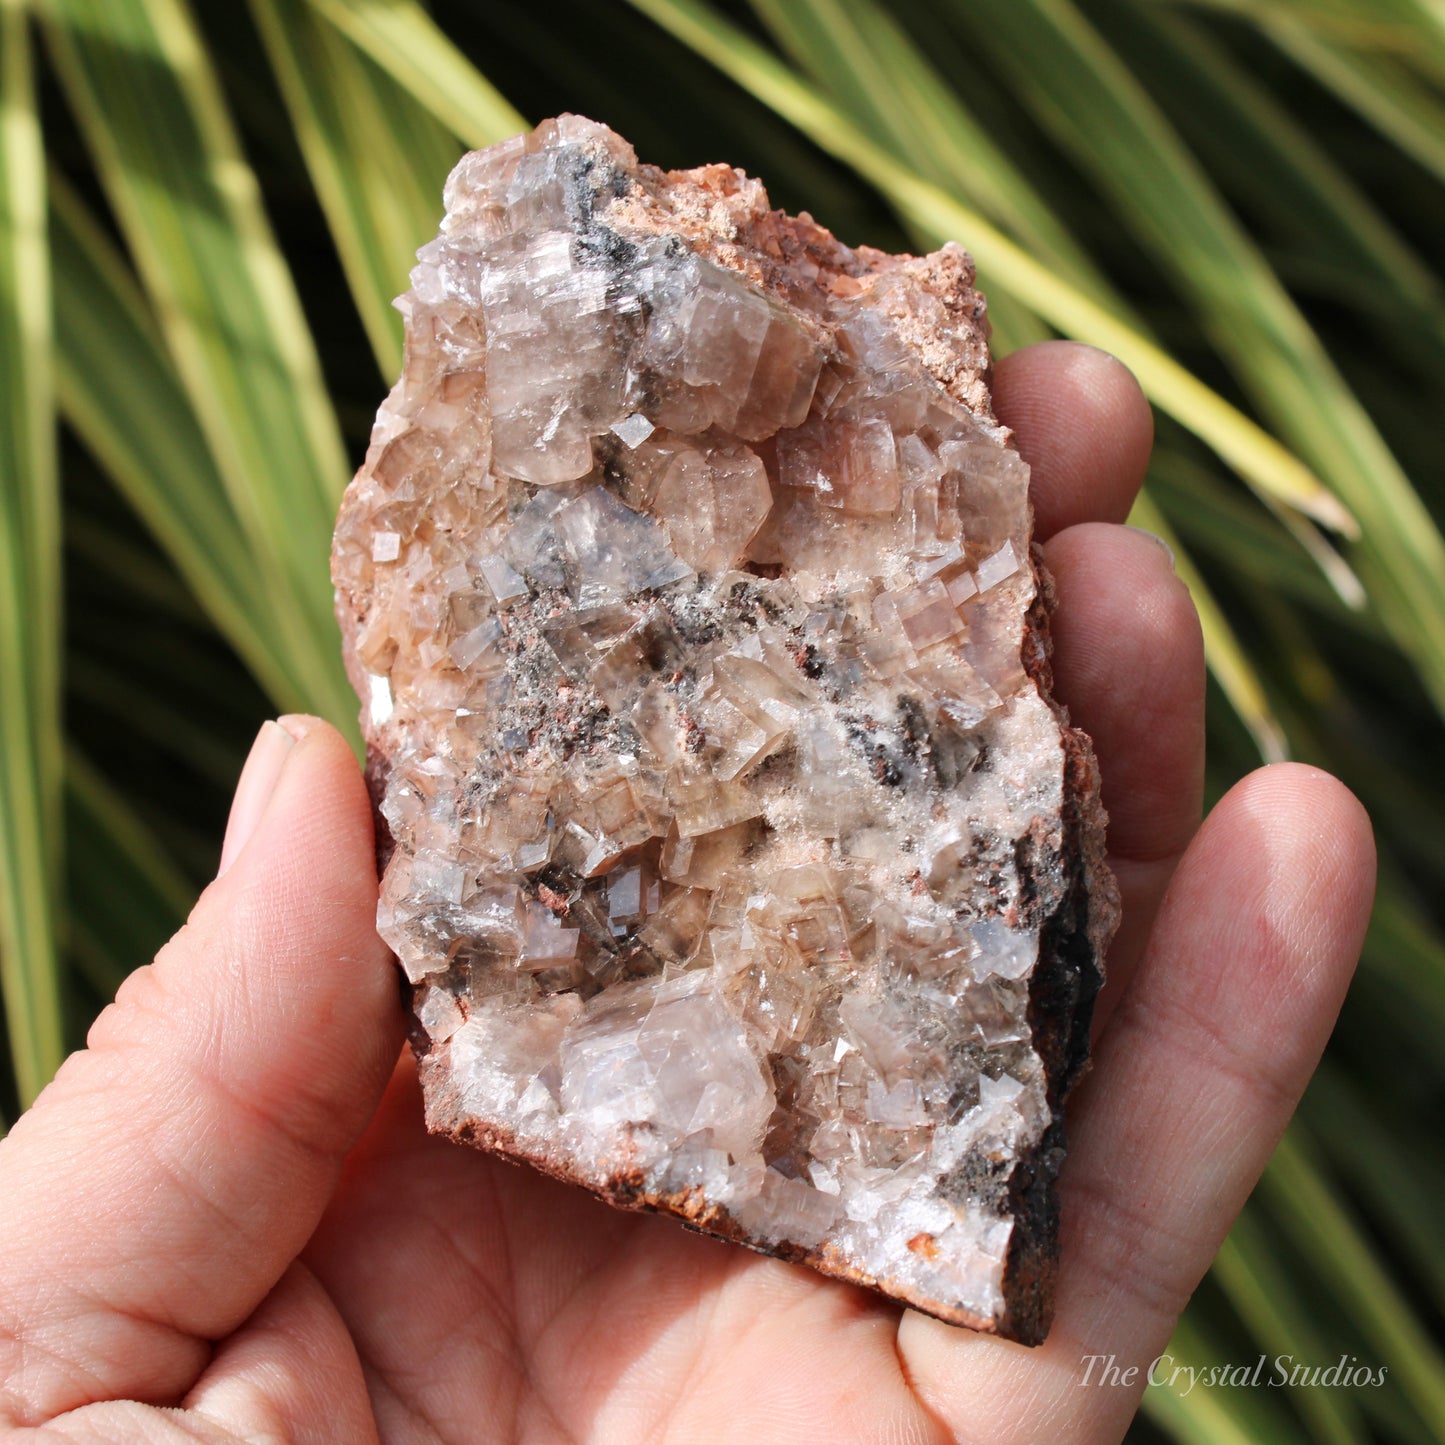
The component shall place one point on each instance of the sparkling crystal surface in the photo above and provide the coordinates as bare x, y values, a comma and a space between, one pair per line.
739, 861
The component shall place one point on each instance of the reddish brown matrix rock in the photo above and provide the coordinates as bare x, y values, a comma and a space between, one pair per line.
740, 863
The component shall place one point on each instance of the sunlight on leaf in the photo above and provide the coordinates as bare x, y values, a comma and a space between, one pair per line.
30, 824
189, 207
401, 38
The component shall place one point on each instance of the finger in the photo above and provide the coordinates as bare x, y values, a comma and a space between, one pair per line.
163, 1183
526, 1276
504, 1252
257, 783
1196, 1078
1129, 663
289, 1373
1084, 427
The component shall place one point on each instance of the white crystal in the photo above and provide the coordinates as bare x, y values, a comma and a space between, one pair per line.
633, 430
381, 704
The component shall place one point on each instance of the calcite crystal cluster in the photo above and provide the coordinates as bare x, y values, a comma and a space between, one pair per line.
739, 861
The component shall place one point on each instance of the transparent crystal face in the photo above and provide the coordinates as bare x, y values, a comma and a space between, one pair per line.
686, 582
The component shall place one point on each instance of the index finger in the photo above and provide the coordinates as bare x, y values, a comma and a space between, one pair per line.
1084, 427
1195, 1079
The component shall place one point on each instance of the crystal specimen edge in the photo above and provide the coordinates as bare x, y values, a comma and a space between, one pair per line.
740, 862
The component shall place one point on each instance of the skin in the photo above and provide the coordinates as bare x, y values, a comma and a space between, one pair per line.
224, 1221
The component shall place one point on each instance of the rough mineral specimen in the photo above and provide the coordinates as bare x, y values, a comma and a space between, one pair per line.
741, 865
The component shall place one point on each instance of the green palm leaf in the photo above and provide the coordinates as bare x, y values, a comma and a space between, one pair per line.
128, 894
858, 54
30, 766
1248, 1269
1096, 108
376, 157
1291, 177
1204, 1416
141, 86
401, 38
1320, 1222
119, 390
1382, 88
1228, 661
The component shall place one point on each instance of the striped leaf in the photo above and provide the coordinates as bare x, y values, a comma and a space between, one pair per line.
127, 894
1249, 1271
376, 157
405, 42
1320, 1223
1228, 661
148, 101
119, 390
1096, 109
30, 757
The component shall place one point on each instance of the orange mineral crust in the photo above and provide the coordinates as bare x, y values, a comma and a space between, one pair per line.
741, 865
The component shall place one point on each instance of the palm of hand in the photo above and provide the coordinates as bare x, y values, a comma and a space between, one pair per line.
191, 1221
491, 1303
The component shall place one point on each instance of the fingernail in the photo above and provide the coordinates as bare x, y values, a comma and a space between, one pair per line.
258, 781
1154, 537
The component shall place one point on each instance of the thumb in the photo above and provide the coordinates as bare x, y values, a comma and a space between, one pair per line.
164, 1181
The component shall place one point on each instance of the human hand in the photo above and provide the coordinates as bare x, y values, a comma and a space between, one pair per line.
228, 1204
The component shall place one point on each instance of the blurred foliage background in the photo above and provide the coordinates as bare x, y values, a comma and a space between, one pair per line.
206, 209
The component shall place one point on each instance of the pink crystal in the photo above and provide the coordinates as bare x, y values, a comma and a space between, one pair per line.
740, 863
